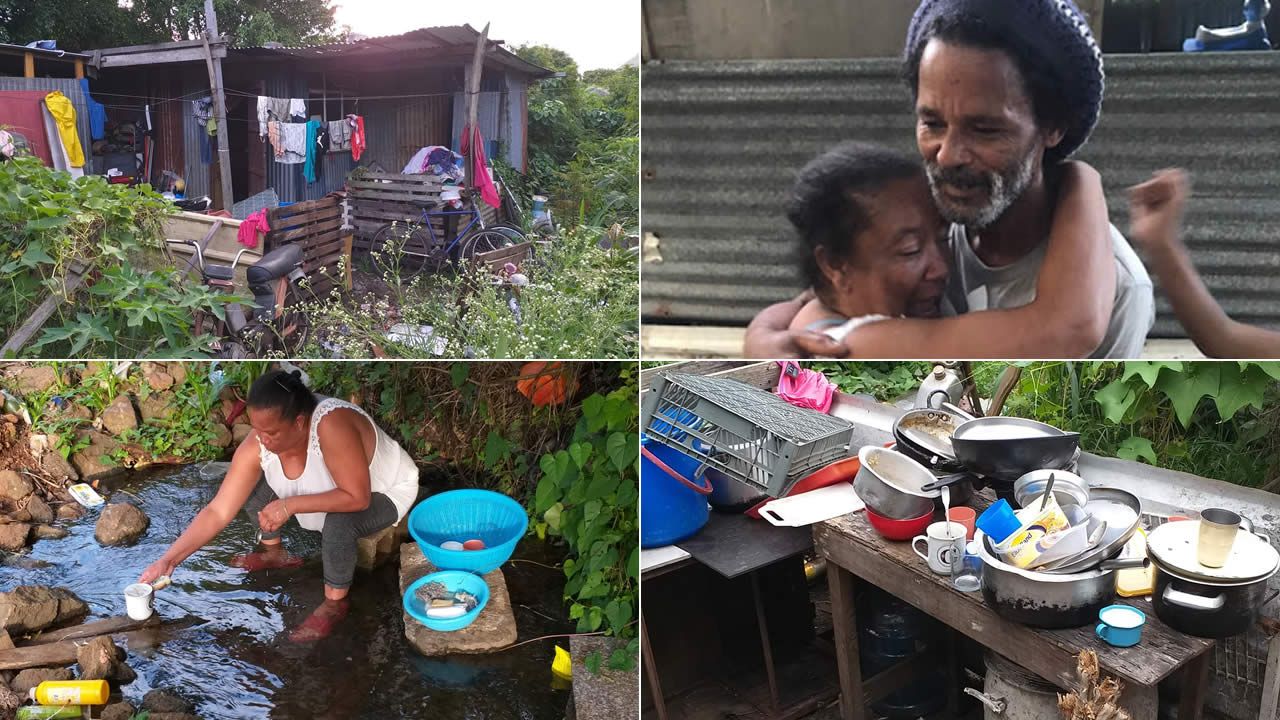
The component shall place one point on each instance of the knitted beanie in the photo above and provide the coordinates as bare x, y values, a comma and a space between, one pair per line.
1052, 32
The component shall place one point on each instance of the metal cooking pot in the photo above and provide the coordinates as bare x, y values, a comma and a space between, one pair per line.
1046, 600
889, 483
730, 495
926, 436
1211, 610
1068, 488
1007, 448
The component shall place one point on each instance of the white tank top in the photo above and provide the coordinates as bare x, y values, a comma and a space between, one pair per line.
391, 472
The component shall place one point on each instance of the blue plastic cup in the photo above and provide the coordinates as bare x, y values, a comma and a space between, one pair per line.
1121, 625
998, 522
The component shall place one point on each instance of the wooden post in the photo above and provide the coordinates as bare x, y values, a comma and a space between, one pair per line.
219, 105
79, 69
29, 65
473, 99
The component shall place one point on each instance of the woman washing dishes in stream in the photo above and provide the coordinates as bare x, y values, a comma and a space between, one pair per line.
319, 459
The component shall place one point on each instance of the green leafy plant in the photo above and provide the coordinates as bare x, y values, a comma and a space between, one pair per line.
886, 381
588, 495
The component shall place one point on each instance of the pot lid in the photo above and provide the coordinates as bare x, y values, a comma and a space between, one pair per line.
1173, 544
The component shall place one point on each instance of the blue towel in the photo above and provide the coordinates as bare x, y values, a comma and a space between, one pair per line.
97, 113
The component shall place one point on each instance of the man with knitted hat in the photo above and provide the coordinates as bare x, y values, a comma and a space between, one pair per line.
1004, 93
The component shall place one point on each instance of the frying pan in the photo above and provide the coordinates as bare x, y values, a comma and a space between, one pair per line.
927, 434
1122, 511
1006, 448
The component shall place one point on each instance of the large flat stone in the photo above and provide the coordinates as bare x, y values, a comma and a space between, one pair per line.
611, 695
493, 630
376, 549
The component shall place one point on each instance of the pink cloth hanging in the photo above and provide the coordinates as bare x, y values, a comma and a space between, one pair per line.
251, 226
805, 388
488, 190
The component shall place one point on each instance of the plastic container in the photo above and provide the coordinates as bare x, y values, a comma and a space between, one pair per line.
493, 518
673, 499
892, 529
73, 692
998, 521
751, 435
453, 581
49, 712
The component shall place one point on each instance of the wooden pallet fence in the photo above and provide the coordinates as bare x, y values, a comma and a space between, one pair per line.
317, 226
376, 199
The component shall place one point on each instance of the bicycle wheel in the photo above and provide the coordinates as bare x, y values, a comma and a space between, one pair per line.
484, 241
404, 248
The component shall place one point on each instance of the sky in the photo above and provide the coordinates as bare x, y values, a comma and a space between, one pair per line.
596, 33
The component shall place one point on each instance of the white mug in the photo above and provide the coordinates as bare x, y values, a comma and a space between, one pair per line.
945, 541
137, 600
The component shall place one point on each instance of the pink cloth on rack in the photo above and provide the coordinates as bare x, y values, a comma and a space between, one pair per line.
251, 226
480, 165
805, 388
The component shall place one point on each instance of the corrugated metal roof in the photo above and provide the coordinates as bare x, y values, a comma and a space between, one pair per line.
423, 42
722, 142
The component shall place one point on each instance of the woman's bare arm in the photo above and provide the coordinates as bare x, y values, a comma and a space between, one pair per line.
1155, 212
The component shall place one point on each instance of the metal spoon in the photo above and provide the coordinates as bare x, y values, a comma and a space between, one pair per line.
1048, 493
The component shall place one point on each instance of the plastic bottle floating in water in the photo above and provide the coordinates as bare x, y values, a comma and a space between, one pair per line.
562, 664
49, 712
61, 692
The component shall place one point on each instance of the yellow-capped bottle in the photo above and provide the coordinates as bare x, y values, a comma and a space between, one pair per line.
71, 692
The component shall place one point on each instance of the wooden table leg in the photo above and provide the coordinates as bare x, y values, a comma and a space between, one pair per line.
651, 671
1195, 687
845, 636
765, 646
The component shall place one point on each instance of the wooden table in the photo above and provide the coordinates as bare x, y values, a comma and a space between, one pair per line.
853, 548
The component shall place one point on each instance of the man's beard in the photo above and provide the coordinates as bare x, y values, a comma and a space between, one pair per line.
1002, 190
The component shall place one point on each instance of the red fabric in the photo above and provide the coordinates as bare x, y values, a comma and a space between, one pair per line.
357, 139
21, 111
479, 165
251, 226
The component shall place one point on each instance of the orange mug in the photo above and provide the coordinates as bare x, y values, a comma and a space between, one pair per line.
966, 516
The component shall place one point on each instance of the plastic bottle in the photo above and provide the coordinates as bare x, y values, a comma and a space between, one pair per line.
83, 692
942, 381
49, 712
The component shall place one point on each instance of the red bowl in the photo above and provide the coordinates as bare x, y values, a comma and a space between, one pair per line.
899, 529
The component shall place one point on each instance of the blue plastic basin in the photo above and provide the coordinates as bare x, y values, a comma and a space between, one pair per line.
453, 580
461, 515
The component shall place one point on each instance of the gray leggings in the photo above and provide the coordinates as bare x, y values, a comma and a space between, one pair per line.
341, 530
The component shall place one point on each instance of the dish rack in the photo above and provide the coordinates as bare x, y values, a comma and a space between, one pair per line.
753, 436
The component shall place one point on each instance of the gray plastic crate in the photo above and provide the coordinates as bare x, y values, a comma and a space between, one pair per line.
751, 435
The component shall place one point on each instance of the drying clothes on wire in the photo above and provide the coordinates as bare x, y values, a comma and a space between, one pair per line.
313, 145
298, 108
202, 110
472, 145
277, 109
64, 114
97, 113
256, 223
339, 135
273, 135
294, 138
357, 136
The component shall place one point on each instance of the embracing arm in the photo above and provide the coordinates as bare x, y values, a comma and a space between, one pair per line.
1155, 210
241, 478
348, 464
768, 337
1075, 293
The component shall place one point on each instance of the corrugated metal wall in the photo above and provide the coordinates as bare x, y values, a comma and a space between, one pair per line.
196, 173
67, 86
723, 140
396, 129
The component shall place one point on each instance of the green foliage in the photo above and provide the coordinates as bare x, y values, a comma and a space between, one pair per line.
885, 381
589, 495
584, 145
1214, 419
49, 220
580, 303
89, 24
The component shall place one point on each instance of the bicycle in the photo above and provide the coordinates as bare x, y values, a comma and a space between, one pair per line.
276, 322
420, 241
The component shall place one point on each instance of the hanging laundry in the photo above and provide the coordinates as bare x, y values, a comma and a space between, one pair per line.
322, 138
472, 145
357, 136
22, 113
65, 114
206, 148
294, 138
309, 169
97, 113
339, 135
298, 108
269, 109
273, 134
256, 223
53, 133
202, 110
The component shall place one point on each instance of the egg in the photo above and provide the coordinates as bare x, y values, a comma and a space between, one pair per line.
473, 545
452, 545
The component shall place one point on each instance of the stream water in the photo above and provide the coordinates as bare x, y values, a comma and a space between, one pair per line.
232, 658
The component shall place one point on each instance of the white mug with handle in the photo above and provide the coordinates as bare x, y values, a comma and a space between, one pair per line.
944, 543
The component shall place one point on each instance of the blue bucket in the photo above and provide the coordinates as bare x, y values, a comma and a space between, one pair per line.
673, 495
